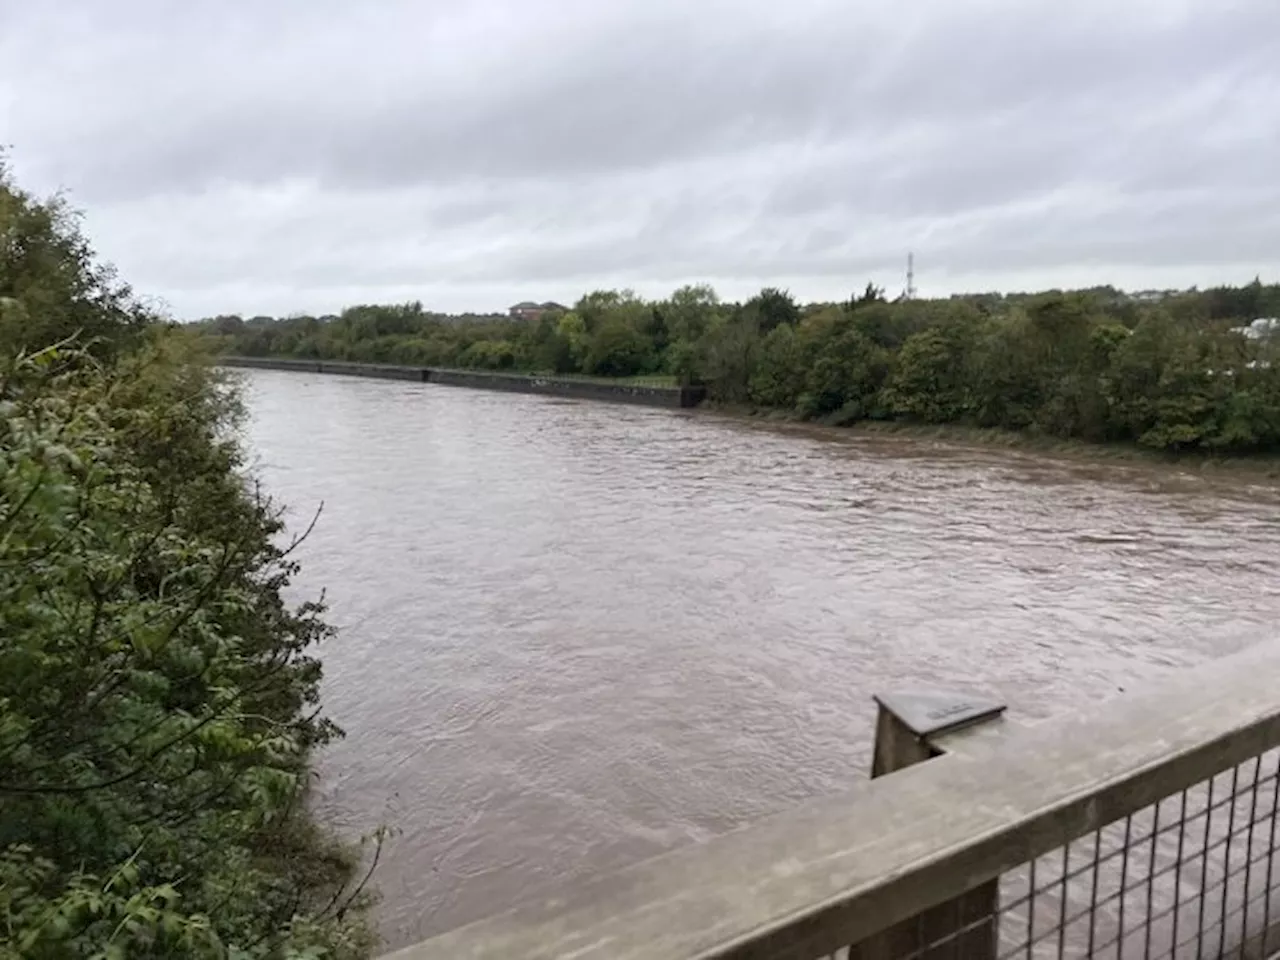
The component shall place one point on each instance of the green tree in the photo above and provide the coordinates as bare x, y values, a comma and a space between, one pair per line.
489, 355
872, 294
571, 331
844, 370
158, 697
682, 362
727, 355
779, 374
928, 378
689, 312
47, 271
616, 350
1003, 375
772, 308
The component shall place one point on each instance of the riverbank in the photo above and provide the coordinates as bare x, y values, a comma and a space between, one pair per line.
636, 391
652, 391
1263, 466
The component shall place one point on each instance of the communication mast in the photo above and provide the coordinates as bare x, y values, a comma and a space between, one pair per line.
910, 292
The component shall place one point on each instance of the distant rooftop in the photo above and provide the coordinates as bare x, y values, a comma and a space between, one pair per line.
526, 306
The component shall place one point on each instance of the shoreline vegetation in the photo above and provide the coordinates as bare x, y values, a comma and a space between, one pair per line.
1265, 465
1184, 373
159, 699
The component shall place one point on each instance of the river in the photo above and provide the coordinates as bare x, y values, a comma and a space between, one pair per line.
574, 635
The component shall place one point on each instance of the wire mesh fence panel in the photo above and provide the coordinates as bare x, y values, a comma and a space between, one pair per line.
1196, 875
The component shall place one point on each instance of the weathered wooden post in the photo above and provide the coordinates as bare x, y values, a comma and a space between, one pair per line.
912, 727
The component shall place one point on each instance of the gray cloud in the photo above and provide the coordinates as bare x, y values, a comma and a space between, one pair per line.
299, 155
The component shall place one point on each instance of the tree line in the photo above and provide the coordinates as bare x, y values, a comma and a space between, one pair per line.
158, 696
1170, 370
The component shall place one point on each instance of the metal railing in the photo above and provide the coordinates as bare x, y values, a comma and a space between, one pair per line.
1145, 828
1196, 875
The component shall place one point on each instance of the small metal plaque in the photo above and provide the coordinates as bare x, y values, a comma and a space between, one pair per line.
926, 712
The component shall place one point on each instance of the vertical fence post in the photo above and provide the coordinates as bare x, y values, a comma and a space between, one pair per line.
912, 728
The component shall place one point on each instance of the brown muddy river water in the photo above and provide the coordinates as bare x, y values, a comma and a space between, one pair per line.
574, 635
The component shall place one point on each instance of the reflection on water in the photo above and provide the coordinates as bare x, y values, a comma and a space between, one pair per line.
574, 635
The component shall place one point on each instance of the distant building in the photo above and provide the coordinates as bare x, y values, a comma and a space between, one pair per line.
528, 310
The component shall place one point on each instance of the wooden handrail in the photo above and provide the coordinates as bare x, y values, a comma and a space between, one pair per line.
831, 873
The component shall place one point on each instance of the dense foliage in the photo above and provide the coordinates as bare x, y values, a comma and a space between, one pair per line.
1170, 370
157, 699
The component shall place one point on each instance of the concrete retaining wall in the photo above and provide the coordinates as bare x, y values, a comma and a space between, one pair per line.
486, 380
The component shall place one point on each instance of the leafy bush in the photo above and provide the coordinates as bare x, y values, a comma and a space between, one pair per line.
158, 699
617, 350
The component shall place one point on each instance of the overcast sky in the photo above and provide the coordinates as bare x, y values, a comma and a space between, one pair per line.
288, 155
